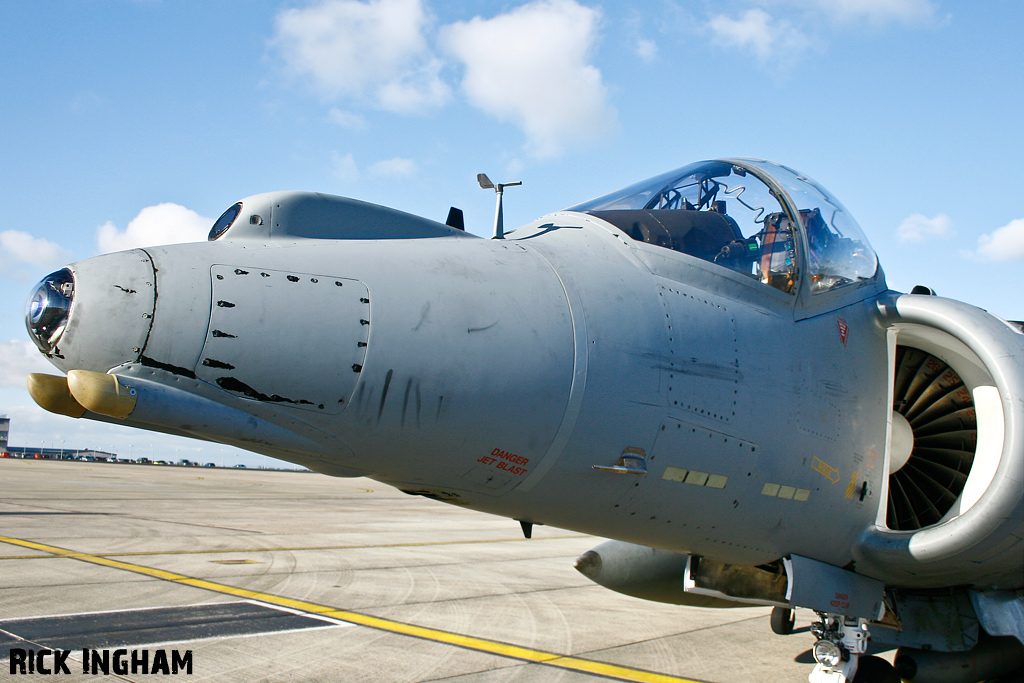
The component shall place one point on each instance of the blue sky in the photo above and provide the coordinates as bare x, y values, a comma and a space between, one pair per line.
132, 122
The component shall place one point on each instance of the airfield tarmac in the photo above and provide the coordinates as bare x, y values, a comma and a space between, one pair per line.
294, 576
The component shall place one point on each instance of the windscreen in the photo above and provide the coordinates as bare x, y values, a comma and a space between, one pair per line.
714, 210
726, 212
838, 253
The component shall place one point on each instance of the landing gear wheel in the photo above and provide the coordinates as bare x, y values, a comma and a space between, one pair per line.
871, 669
783, 620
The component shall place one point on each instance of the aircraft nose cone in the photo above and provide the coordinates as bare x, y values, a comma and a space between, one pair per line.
95, 314
48, 308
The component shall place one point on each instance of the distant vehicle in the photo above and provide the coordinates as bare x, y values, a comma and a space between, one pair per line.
210, 464
142, 461
160, 462
240, 466
5, 454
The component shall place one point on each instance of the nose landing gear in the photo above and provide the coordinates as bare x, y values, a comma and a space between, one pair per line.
839, 653
783, 620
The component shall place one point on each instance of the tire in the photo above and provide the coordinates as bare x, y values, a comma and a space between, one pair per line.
783, 620
871, 669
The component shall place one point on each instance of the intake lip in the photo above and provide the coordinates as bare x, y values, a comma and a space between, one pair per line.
48, 309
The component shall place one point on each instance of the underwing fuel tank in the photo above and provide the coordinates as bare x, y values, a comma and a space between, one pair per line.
663, 576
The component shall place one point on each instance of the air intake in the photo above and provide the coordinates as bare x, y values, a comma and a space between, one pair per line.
955, 502
938, 406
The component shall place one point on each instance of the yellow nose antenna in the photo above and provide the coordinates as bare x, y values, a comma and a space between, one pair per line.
102, 393
51, 392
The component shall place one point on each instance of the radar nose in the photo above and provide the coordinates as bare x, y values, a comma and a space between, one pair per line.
48, 308
94, 314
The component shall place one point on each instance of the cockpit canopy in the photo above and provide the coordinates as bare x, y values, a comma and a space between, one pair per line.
756, 217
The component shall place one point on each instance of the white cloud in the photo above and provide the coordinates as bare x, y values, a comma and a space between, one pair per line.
161, 224
647, 50
393, 168
1003, 244
347, 119
20, 248
879, 11
374, 49
345, 168
770, 39
531, 67
17, 360
918, 227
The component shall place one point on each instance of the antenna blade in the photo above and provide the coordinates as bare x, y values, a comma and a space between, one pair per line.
456, 219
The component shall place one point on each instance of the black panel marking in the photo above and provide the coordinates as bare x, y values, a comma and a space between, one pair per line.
240, 387
173, 369
384, 394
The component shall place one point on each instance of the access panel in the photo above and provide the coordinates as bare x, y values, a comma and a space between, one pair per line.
291, 339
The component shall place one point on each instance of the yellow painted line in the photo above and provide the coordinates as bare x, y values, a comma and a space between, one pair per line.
436, 635
227, 551
851, 488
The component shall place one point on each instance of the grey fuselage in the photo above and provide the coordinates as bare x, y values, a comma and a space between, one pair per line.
496, 374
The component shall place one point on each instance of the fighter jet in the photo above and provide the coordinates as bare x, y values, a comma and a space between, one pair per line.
706, 367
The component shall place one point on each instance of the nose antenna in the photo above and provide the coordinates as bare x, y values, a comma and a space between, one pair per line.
485, 183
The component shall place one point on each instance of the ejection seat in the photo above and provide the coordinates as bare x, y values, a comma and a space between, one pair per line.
698, 233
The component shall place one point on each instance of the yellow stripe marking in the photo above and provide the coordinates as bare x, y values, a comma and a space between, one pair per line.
851, 488
228, 551
436, 635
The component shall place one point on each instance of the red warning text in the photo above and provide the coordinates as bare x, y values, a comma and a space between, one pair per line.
841, 601
508, 462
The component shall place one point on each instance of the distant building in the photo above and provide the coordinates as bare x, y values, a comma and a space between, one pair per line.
37, 453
